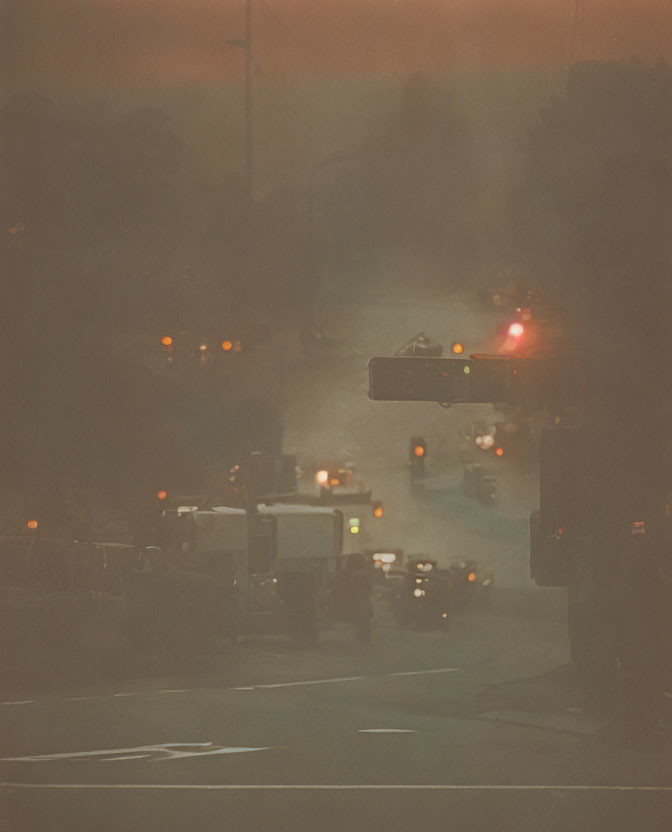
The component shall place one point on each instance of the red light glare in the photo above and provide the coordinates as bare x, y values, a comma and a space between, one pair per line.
516, 330
32, 524
161, 495
457, 348
471, 577
167, 341
378, 511
227, 345
499, 451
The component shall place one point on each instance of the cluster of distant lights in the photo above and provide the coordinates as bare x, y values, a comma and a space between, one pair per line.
227, 345
486, 441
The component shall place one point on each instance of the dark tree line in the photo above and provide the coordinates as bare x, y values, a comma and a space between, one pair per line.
594, 215
107, 235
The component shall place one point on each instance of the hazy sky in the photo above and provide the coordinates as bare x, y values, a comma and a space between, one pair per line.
122, 43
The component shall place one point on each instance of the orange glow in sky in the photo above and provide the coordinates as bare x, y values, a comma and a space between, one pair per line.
119, 43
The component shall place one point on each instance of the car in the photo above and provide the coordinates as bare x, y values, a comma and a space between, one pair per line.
70, 604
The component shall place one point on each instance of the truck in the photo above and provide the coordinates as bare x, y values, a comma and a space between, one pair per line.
259, 570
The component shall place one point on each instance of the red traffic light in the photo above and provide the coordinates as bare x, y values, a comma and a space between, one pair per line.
227, 345
516, 329
167, 341
32, 525
419, 450
457, 348
161, 495
377, 509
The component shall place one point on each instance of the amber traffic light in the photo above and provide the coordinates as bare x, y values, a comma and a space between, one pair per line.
167, 341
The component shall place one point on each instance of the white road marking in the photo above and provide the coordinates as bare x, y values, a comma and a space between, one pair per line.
163, 751
448, 787
84, 698
245, 687
135, 693
387, 731
425, 672
311, 682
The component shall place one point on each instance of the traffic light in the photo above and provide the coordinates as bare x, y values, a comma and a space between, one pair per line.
418, 448
232, 345
378, 510
167, 347
353, 525
161, 495
417, 452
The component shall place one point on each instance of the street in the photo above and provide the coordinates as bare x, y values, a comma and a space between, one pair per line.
478, 728
419, 728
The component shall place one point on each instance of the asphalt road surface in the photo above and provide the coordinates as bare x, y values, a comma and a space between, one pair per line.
419, 730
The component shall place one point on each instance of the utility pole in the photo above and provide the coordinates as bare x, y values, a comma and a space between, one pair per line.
575, 34
249, 145
246, 45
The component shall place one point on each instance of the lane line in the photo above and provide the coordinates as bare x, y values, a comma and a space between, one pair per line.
270, 686
448, 787
425, 672
312, 682
84, 698
387, 731
135, 693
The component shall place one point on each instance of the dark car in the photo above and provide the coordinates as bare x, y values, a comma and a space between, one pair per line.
69, 604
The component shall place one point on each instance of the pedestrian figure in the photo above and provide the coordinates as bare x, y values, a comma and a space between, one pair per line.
352, 589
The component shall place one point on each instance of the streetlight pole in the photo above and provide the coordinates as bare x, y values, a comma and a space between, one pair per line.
249, 145
246, 45
575, 34
333, 159
312, 288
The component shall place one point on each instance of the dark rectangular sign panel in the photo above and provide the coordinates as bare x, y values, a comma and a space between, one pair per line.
402, 379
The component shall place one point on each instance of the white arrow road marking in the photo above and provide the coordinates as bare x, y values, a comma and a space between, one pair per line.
387, 731
164, 751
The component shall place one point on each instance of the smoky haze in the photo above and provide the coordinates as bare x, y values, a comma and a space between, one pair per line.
213, 215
